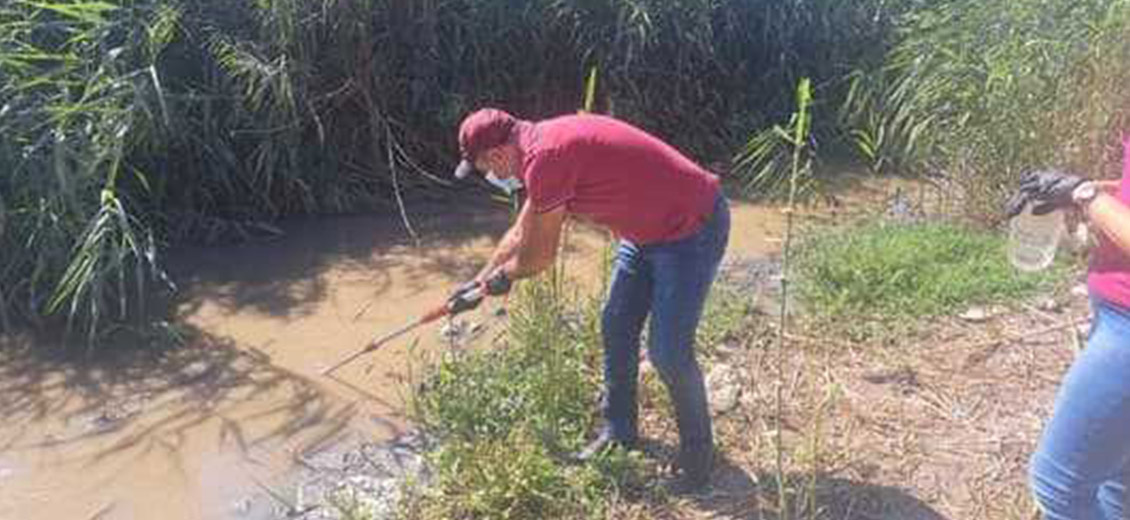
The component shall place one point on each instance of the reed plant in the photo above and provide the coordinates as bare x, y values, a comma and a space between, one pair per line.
206, 121
980, 92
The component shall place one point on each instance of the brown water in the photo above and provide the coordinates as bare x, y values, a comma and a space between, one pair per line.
212, 431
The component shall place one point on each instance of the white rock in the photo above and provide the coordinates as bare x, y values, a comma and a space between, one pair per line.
1079, 290
195, 370
975, 314
1047, 304
978, 313
242, 507
727, 348
453, 330
724, 387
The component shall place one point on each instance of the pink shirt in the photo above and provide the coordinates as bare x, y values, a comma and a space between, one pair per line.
616, 175
1109, 273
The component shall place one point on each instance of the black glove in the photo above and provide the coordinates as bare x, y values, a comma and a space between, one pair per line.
464, 298
498, 283
1046, 190
469, 295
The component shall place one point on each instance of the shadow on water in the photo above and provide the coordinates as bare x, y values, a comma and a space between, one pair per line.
294, 279
132, 401
199, 403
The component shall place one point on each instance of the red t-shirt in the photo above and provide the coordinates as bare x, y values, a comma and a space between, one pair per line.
616, 175
1109, 272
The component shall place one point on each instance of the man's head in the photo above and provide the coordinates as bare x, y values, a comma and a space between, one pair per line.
487, 144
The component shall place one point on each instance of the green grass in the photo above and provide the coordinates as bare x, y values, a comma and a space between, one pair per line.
539, 380
507, 416
516, 477
910, 271
724, 317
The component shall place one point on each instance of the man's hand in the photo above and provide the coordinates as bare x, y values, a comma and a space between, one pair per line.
1047, 191
467, 297
498, 283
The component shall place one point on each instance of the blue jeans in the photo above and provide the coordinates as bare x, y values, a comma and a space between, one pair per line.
669, 281
1081, 467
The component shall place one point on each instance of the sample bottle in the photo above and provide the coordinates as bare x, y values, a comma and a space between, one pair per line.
1033, 239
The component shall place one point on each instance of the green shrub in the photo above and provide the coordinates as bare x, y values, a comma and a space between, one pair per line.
507, 416
516, 477
982, 91
538, 380
896, 271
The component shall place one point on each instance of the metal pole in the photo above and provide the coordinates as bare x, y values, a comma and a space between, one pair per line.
375, 345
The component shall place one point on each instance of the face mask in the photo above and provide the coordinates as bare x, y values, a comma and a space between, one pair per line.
509, 185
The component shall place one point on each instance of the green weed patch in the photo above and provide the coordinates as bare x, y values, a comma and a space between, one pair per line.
897, 271
506, 417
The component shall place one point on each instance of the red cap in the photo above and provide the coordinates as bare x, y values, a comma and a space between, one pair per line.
482, 130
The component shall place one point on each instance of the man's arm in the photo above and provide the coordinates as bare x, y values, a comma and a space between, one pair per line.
538, 240
508, 246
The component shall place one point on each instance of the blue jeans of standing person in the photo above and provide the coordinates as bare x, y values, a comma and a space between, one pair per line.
1082, 465
669, 282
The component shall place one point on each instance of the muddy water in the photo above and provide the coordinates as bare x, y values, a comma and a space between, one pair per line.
216, 429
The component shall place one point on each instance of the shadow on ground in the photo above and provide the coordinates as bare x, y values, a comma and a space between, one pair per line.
736, 493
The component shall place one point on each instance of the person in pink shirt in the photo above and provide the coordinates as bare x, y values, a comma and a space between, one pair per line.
673, 224
1081, 467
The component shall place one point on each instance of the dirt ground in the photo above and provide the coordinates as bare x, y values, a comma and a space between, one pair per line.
934, 422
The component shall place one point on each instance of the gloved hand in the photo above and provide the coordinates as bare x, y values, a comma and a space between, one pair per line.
469, 295
465, 298
498, 283
1047, 190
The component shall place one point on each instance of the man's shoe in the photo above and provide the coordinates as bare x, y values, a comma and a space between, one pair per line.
692, 468
686, 484
604, 441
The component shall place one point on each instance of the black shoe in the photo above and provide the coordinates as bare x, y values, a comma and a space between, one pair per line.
603, 442
692, 468
686, 484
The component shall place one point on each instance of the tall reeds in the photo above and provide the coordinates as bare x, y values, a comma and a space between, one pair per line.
206, 120
979, 92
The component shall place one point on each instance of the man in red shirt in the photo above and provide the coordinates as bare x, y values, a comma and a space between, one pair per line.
673, 223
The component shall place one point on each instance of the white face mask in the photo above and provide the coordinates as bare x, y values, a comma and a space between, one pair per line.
509, 185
